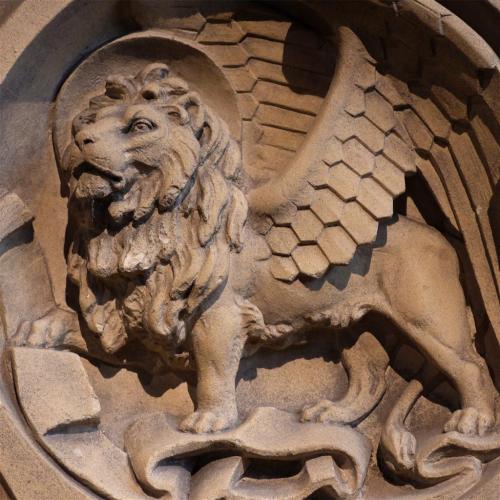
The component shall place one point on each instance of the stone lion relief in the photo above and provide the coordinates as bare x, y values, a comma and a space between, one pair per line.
250, 191
159, 243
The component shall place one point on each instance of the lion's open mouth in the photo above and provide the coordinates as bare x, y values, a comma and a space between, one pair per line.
116, 180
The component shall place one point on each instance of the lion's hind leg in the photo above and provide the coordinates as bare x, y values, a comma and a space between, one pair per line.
467, 372
428, 305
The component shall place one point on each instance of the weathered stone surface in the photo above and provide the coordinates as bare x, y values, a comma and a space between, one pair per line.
344, 182
402, 157
310, 260
285, 215
28, 473
356, 104
337, 245
327, 206
389, 175
224, 477
63, 410
49, 402
284, 269
359, 224
14, 214
282, 240
380, 112
24, 281
306, 226
419, 134
375, 199
333, 152
228, 208
279, 117
320, 175
357, 157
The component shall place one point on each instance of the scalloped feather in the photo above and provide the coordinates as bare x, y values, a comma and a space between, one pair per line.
336, 178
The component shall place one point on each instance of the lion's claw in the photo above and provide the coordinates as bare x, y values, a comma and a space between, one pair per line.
206, 421
470, 421
48, 331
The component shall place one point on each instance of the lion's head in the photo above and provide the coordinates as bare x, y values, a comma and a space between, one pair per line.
154, 208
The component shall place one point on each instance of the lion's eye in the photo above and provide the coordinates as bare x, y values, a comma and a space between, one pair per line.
141, 125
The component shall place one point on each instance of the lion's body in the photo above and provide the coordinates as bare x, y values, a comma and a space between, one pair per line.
160, 254
382, 277
412, 278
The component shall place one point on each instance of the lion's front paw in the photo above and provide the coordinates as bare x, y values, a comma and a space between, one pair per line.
48, 331
207, 421
471, 421
322, 411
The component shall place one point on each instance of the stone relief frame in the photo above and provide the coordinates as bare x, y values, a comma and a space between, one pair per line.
249, 249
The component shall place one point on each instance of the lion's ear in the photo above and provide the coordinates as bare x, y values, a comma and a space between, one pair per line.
188, 109
154, 72
191, 103
178, 113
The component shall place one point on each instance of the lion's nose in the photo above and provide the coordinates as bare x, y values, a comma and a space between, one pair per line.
83, 138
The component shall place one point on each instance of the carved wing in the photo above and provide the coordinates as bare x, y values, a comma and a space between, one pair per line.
335, 147
344, 178
434, 110
436, 97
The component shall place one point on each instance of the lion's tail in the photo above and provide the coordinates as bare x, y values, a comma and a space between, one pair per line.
365, 363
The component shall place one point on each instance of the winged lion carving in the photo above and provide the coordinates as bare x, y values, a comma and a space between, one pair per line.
173, 247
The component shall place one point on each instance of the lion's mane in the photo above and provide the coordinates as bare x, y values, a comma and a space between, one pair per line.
147, 279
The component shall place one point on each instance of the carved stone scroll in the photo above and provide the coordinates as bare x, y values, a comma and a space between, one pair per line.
268, 433
453, 458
